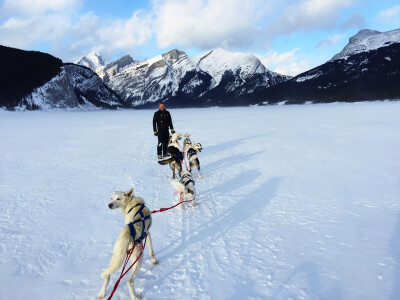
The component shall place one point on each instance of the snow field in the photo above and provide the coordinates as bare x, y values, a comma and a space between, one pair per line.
296, 202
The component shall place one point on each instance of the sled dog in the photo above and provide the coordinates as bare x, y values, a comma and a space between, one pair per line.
186, 142
185, 186
136, 228
175, 161
191, 152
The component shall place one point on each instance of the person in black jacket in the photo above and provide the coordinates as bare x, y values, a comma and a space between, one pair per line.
162, 122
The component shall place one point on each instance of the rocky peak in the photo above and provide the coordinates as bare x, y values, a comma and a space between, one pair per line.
94, 60
366, 40
174, 55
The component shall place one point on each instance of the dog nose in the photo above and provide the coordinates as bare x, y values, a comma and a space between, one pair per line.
110, 205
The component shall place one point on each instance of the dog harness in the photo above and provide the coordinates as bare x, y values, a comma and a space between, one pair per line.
179, 155
191, 152
187, 182
142, 219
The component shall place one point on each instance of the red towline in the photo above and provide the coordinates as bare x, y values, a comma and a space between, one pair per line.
179, 203
123, 271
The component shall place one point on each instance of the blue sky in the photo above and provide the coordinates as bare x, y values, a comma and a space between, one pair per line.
289, 36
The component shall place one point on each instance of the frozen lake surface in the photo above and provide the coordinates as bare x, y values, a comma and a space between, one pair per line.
296, 202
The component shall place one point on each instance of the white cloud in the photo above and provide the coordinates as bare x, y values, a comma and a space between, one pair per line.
286, 63
329, 41
107, 36
356, 20
69, 34
200, 24
208, 24
388, 14
307, 16
37, 7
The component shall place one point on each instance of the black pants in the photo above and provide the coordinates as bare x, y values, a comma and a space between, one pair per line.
163, 135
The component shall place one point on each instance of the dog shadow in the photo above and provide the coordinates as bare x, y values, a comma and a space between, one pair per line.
230, 161
245, 285
309, 273
230, 144
245, 208
232, 185
394, 247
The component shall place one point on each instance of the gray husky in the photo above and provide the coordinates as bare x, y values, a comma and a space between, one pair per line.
186, 187
175, 161
191, 152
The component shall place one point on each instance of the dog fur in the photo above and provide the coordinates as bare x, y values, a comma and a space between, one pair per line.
127, 202
173, 149
186, 186
194, 158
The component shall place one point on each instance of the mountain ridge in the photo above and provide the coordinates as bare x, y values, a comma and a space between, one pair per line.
368, 68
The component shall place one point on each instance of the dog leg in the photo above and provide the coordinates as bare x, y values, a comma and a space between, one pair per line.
120, 248
179, 170
135, 270
102, 292
151, 251
198, 167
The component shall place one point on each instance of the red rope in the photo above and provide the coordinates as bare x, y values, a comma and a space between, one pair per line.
183, 154
123, 272
184, 160
168, 208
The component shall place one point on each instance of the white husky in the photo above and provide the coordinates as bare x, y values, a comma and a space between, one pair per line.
186, 186
137, 225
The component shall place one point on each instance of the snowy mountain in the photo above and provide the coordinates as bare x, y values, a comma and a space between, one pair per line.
75, 87
367, 40
93, 60
113, 68
368, 68
23, 71
34, 80
217, 62
160, 78
192, 81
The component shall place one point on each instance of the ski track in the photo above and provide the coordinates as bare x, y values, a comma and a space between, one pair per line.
296, 202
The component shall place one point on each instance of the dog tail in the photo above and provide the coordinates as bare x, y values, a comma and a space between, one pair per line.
179, 187
166, 161
119, 253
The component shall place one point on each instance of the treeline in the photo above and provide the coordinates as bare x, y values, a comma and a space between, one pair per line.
23, 71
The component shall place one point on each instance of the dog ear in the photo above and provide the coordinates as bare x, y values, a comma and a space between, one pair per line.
130, 193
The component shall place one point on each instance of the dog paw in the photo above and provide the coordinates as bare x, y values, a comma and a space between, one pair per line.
154, 261
101, 295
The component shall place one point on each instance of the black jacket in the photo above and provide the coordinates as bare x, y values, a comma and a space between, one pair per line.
162, 120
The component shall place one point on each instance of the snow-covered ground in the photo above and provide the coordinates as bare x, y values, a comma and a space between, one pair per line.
296, 202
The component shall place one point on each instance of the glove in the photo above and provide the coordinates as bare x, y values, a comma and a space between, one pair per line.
172, 131
155, 133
